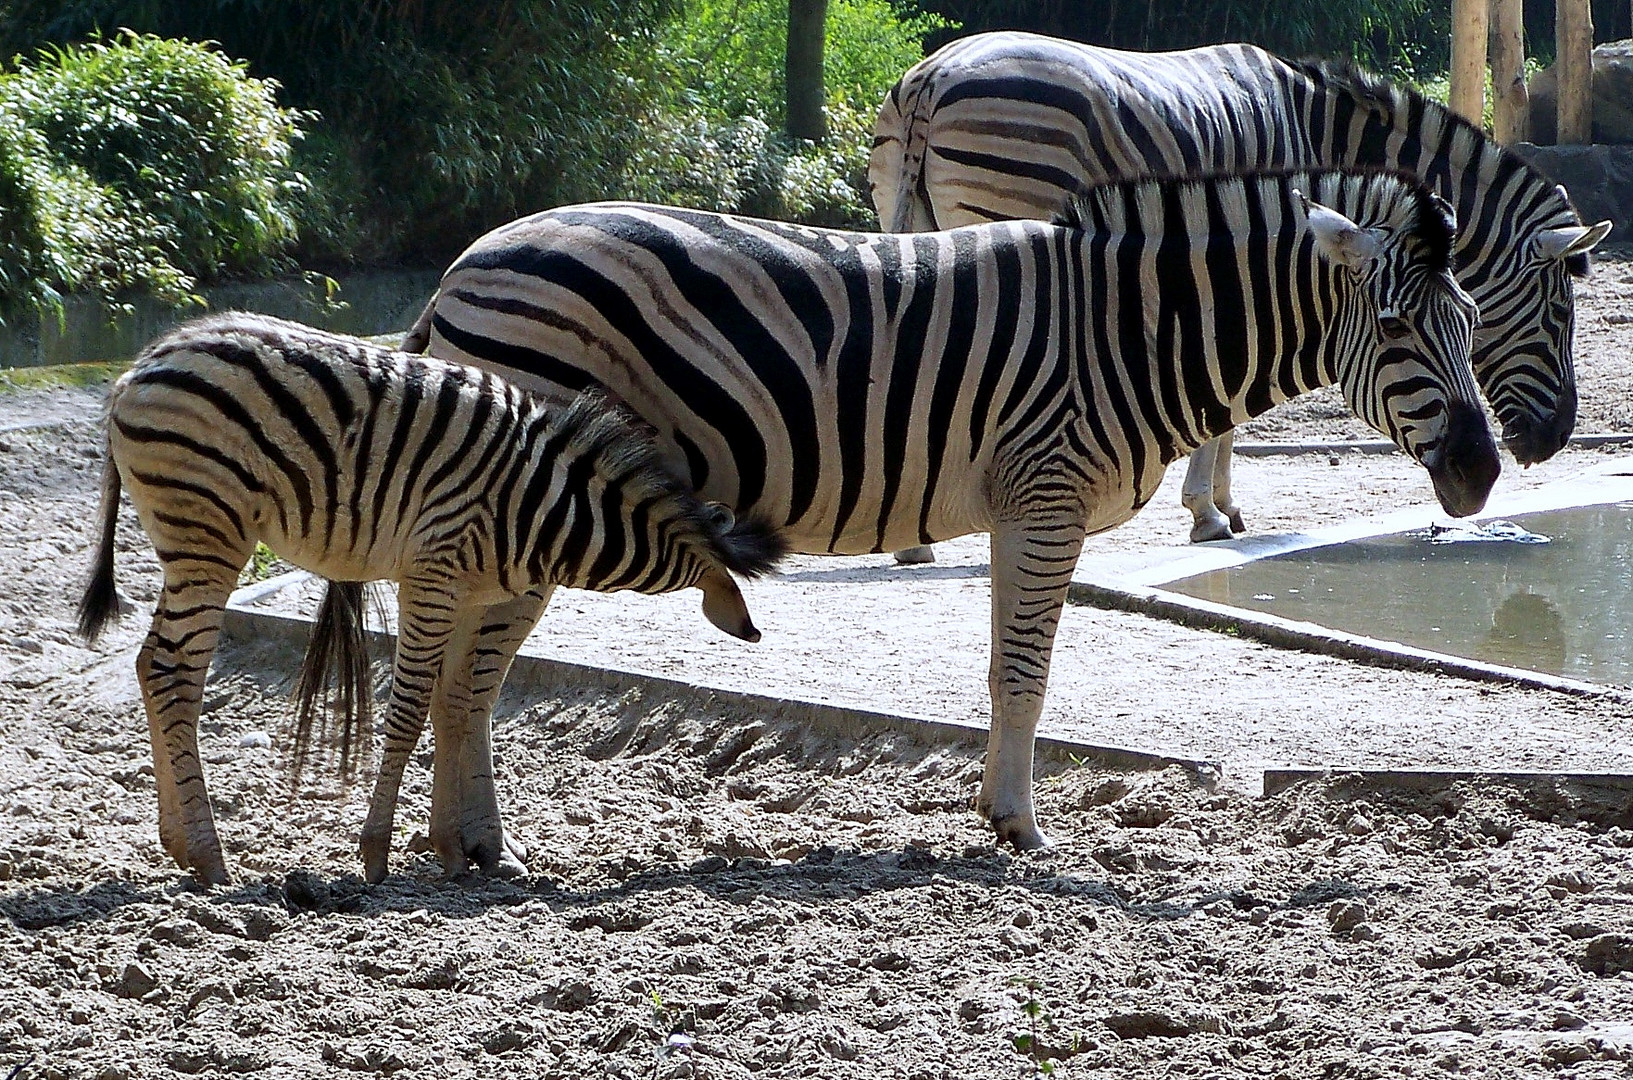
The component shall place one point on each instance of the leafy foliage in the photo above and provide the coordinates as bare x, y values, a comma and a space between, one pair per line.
1402, 36
439, 118
197, 150
137, 164
713, 109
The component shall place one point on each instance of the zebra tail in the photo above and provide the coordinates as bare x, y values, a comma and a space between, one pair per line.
418, 338
338, 653
101, 602
750, 548
911, 194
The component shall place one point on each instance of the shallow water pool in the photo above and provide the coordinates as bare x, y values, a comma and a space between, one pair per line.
1564, 607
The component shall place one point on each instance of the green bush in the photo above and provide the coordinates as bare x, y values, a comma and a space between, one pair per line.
198, 152
438, 118
61, 231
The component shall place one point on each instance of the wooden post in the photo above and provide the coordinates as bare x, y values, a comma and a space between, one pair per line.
1471, 19
1573, 35
1511, 105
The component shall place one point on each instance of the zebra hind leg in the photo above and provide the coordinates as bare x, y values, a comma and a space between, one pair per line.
1032, 564
1221, 483
426, 614
466, 827
1197, 494
170, 668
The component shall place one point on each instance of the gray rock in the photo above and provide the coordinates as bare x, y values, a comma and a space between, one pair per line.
1598, 178
1612, 97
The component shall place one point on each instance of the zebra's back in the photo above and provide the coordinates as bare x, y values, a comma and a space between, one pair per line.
330, 449
1009, 125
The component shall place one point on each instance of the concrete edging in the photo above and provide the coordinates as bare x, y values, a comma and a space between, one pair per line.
542, 675
1310, 637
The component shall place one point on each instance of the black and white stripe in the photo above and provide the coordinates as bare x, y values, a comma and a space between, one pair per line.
360, 463
1008, 124
862, 392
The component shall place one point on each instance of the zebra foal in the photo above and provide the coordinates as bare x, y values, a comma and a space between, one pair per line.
360, 463
1025, 379
1009, 124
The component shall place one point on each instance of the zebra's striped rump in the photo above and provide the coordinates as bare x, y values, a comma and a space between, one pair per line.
360, 463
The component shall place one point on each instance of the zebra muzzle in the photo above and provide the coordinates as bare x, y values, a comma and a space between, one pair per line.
1531, 438
1465, 465
723, 605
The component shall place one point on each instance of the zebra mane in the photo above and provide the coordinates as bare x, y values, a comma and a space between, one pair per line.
597, 426
1431, 221
1387, 99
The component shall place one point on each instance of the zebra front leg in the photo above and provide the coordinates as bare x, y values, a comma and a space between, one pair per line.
170, 668
426, 616
1221, 482
1032, 564
1197, 493
466, 827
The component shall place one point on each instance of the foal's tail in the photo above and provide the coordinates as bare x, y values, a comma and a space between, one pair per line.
101, 602
337, 654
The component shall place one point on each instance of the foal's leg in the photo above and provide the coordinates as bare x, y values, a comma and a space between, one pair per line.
466, 828
1198, 496
427, 610
1032, 564
170, 669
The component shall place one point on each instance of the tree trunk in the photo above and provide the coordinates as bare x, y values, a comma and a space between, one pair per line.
1573, 35
806, 19
1471, 20
1511, 111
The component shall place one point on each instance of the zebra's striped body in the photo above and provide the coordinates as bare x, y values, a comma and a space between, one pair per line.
1030, 380
1008, 124
360, 463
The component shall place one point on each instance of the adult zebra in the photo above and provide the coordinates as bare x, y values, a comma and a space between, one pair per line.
865, 391
1008, 124
361, 463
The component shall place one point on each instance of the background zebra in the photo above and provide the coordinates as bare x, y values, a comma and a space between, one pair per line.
1024, 379
360, 463
1009, 124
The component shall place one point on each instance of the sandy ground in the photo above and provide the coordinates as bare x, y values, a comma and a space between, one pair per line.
719, 894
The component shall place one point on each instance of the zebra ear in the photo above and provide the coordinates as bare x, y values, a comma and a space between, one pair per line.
1337, 237
719, 516
1569, 240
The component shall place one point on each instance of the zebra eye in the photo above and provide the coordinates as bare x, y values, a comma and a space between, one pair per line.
1394, 327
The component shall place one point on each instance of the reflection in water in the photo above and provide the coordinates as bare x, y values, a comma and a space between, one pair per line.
1502, 602
1527, 631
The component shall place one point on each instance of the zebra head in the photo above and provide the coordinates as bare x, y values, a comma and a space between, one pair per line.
645, 530
1522, 347
1406, 327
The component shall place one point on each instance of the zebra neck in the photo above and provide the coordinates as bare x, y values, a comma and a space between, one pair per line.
1385, 126
1204, 367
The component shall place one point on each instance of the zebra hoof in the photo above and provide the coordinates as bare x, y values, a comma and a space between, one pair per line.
506, 859
490, 852
1021, 832
1236, 523
1215, 529
211, 871
916, 556
376, 851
